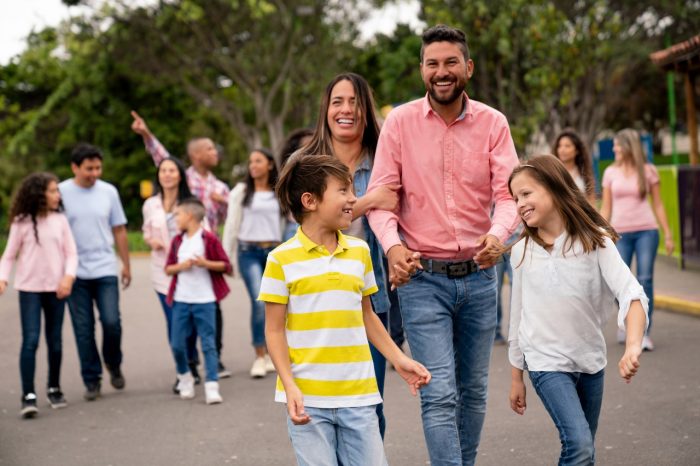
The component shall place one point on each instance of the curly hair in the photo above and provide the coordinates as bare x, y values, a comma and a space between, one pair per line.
30, 199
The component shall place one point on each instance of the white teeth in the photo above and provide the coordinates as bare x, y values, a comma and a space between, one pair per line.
345, 121
444, 83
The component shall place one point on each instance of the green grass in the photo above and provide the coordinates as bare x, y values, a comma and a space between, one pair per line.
136, 242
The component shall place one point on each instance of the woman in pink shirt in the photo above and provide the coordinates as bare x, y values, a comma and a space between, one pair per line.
159, 228
42, 244
627, 184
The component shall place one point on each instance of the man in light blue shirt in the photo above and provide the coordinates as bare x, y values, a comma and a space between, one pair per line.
98, 223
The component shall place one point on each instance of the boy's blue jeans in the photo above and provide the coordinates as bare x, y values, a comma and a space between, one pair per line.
203, 318
450, 325
347, 436
192, 356
573, 401
644, 245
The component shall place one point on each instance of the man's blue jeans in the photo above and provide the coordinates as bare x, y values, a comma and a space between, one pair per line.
30, 306
573, 401
202, 318
251, 262
450, 325
502, 269
104, 292
338, 436
644, 245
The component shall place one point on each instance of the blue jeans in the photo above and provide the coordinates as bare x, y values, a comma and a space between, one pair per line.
450, 325
251, 262
379, 362
290, 230
202, 318
192, 356
30, 306
104, 292
644, 245
347, 436
502, 269
573, 402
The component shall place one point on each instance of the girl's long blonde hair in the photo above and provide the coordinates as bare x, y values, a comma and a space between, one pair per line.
632, 154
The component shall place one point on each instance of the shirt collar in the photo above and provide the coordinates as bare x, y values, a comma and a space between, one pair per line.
364, 164
466, 108
309, 245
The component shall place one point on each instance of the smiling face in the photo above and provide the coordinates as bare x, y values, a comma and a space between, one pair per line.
53, 196
344, 120
335, 209
259, 166
445, 71
534, 203
168, 175
88, 172
566, 150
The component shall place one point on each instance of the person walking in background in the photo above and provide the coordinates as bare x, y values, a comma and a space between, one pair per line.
295, 140
452, 156
627, 185
347, 128
42, 245
211, 191
98, 223
159, 229
570, 149
503, 269
254, 227
196, 262
566, 276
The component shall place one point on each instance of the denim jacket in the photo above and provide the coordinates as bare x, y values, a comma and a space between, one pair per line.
380, 300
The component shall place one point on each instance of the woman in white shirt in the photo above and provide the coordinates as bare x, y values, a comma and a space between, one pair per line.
253, 228
566, 275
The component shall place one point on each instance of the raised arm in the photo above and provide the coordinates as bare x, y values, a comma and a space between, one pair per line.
153, 146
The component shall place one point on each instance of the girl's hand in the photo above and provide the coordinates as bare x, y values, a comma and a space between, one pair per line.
517, 397
413, 372
65, 287
295, 406
386, 197
629, 364
668, 242
3, 286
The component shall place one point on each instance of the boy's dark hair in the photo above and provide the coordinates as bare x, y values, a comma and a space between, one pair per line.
307, 174
83, 151
443, 33
194, 206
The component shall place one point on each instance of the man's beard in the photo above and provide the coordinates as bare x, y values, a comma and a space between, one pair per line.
456, 94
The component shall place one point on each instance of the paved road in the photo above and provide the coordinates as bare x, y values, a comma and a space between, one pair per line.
653, 421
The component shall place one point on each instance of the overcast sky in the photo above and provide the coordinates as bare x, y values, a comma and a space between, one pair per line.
21, 16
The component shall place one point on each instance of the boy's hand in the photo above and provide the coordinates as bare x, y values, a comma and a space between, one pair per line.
295, 406
413, 372
629, 364
517, 397
186, 265
199, 261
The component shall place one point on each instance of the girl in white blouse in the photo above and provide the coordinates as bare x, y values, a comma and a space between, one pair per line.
566, 275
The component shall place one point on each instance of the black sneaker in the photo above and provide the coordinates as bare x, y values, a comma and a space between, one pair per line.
56, 398
223, 372
175, 389
29, 409
195, 373
116, 378
92, 391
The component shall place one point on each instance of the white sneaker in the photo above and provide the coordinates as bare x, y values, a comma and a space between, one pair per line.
621, 336
211, 391
647, 344
269, 366
258, 370
186, 385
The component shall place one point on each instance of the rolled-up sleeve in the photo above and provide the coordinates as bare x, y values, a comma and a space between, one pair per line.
503, 159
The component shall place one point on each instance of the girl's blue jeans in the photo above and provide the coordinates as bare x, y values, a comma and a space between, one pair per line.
251, 262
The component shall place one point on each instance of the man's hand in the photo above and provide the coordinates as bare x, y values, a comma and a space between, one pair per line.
402, 264
139, 126
126, 277
65, 287
491, 250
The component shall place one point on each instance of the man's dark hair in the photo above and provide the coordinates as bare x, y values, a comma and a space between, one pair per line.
443, 33
307, 174
83, 151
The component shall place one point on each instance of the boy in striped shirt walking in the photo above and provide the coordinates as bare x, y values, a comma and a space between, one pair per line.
318, 317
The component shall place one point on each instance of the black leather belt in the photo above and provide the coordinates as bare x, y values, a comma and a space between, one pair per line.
451, 269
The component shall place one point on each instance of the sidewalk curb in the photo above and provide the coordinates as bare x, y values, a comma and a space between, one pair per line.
678, 305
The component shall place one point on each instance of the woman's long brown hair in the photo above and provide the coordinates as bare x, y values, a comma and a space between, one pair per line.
581, 220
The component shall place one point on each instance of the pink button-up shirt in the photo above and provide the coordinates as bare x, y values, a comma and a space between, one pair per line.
450, 177
42, 265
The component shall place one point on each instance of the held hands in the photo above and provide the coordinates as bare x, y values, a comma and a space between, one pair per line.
295, 406
629, 364
413, 372
491, 250
386, 197
65, 287
139, 125
402, 264
517, 396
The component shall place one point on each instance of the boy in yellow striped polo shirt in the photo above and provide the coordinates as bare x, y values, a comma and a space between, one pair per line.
318, 314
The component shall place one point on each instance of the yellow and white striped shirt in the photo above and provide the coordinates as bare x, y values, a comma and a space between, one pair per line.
328, 348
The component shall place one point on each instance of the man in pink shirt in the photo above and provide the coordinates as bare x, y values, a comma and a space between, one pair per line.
452, 156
